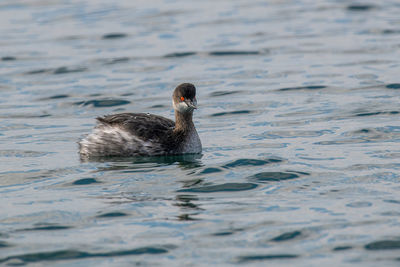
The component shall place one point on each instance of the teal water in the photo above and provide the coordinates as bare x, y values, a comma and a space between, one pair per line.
298, 116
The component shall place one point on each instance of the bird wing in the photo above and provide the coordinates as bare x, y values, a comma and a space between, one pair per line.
143, 125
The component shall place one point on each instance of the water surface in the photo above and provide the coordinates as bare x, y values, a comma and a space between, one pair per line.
298, 116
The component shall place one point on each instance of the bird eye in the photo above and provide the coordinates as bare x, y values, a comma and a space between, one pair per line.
182, 98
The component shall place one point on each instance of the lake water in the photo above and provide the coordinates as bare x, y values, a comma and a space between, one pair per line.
298, 116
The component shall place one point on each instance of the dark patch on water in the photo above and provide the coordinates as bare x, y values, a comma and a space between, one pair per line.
393, 86
8, 58
223, 233
360, 7
311, 87
363, 131
367, 114
191, 183
233, 53
244, 259
340, 142
47, 227
127, 94
58, 96
54, 97
359, 204
4, 244
392, 201
340, 248
263, 177
76, 254
287, 236
236, 112
186, 198
210, 170
390, 213
390, 31
228, 187
185, 160
85, 181
39, 71
383, 244
117, 60
185, 202
114, 35
158, 106
228, 232
187, 205
182, 54
277, 208
101, 103
186, 217
112, 214
42, 116
251, 162
224, 93
65, 70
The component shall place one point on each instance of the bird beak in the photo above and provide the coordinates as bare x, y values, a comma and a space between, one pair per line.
192, 104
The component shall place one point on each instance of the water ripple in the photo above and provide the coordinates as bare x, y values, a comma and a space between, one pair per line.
76, 254
251, 162
112, 214
180, 54
287, 236
251, 258
57, 71
359, 204
103, 103
341, 248
60, 96
224, 93
210, 170
228, 187
366, 135
383, 245
360, 7
47, 227
233, 53
311, 87
288, 134
393, 86
114, 35
4, 244
8, 58
116, 60
263, 177
298, 115
365, 114
229, 113
22, 153
64, 70
85, 181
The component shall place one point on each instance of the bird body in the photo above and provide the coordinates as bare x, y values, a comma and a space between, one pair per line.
144, 134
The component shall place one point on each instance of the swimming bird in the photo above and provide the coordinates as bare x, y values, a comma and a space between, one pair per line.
144, 134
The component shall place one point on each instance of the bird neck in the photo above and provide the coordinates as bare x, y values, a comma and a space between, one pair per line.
183, 121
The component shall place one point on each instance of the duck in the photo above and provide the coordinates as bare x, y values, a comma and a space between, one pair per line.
145, 134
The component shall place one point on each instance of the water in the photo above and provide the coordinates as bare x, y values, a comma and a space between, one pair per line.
298, 116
